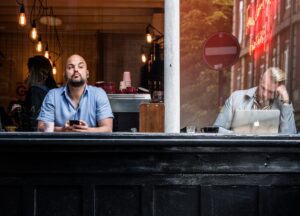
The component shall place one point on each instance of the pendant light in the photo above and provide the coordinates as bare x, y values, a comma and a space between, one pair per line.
46, 51
33, 32
39, 45
22, 17
143, 57
54, 68
148, 36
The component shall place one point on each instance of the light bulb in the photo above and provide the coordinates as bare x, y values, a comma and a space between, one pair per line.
149, 38
33, 32
46, 54
46, 51
22, 17
39, 45
144, 58
54, 69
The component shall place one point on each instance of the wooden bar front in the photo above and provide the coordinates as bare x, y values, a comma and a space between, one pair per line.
152, 117
148, 174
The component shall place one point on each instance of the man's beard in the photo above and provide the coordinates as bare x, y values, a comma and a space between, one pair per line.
77, 83
265, 102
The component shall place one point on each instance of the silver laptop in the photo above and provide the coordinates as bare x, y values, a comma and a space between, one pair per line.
256, 121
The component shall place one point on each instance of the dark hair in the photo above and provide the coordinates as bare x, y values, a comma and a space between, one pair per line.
40, 72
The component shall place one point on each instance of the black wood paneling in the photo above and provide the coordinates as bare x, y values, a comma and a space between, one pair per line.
117, 200
10, 201
280, 200
233, 200
58, 200
148, 175
176, 200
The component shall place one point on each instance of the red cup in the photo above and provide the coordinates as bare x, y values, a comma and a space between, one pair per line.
131, 90
108, 87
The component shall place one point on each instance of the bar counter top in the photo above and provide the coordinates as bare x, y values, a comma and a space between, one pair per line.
135, 139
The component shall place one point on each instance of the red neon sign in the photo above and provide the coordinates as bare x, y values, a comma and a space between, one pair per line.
260, 24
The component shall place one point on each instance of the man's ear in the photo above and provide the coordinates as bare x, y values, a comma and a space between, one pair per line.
87, 74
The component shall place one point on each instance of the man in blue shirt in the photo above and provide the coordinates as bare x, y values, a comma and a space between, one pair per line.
76, 101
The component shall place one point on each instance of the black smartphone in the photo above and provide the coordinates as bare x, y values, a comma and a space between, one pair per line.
74, 122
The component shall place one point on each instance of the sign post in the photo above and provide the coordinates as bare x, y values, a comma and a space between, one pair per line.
220, 51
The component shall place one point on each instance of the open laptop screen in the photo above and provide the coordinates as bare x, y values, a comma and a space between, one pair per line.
256, 121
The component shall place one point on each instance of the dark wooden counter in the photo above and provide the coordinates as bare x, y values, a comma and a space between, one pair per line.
132, 174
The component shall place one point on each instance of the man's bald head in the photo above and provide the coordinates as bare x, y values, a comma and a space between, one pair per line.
76, 72
75, 57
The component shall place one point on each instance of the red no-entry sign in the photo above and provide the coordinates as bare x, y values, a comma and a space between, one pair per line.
221, 50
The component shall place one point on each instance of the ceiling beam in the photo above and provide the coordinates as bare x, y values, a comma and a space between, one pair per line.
87, 15
93, 3
103, 27
90, 19
61, 11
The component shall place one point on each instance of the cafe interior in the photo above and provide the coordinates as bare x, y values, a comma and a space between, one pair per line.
157, 161
122, 41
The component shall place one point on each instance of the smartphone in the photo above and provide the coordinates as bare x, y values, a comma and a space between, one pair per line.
74, 122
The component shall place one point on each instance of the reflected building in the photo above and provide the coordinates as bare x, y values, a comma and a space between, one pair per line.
269, 35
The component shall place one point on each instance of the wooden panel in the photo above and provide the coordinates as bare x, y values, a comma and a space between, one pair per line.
10, 201
117, 200
59, 201
152, 117
176, 201
277, 201
229, 200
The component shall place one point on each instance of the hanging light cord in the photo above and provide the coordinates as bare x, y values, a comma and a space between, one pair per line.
155, 29
19, 3
40, 8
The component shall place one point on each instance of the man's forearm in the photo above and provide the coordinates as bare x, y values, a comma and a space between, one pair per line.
58, 129
44, 126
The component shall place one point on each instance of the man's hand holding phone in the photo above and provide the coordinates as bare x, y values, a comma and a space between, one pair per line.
74, 122
77, 126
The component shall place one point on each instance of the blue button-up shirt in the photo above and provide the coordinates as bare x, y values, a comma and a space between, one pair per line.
58, 108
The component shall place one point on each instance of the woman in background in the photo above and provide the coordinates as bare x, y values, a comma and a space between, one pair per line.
40, 81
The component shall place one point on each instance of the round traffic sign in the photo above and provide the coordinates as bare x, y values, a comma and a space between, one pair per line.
221, 50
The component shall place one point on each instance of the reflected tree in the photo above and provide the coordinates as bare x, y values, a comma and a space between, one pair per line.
199, 85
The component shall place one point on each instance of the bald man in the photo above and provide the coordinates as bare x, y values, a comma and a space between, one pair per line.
270, 94
76, 107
